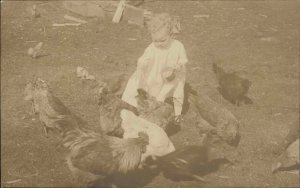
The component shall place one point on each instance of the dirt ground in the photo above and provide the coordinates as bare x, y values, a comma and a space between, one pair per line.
258, 39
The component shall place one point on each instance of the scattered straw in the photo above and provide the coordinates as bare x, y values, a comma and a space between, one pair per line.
24, 176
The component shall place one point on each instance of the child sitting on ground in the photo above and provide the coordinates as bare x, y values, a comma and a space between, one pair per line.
161, 69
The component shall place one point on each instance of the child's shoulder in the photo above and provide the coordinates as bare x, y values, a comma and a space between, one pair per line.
177, 44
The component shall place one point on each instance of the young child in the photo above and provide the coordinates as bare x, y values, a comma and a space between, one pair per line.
161, 69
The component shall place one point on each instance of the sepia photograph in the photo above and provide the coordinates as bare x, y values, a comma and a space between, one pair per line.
150, 93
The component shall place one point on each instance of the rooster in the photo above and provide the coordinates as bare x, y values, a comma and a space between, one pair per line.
93, 156
90, 155
35, 52
49, 107
157, 112
187, 163
232, 87
110, 107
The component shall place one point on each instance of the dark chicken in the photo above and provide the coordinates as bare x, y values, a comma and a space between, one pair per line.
232, 87
110, 107
157, 112
115, 84
90, 155
188, 163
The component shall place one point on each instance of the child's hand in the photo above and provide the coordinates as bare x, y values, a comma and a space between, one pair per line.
178, 119
169, 74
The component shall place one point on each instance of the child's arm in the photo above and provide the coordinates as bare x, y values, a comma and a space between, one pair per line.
179, 92
145, 58
180, 76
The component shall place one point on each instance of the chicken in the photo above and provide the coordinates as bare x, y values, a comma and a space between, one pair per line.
110, 107
90, 155
189, 162
224, 123
289, 159
93, 156
159, 142
115, 84
289, 148
35, 52
157, 112
49, 108
232, 87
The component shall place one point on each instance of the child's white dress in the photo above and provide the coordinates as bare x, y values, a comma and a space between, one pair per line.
149, 77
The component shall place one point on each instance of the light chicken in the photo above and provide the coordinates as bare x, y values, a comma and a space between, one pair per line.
289, 147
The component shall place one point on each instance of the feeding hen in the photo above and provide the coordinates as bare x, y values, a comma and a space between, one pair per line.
232, 87
115, 84
90, 155
224, 123
157, 112
110, 107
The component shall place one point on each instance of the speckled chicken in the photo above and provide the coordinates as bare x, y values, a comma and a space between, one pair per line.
90, 155
93, 156
232, 87
289, 148
157, 112
47, 106
110, 107
224, 124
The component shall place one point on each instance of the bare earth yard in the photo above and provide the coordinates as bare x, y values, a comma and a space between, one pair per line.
257, 39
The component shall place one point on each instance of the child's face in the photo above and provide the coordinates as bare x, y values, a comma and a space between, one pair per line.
161, 39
